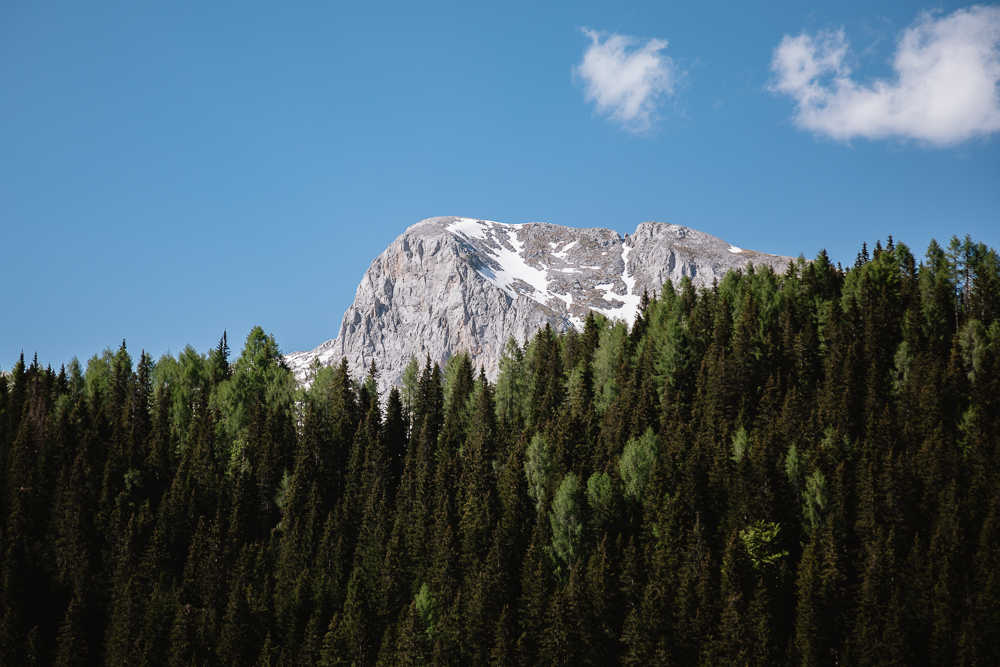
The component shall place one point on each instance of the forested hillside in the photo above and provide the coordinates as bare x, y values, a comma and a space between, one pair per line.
797, 469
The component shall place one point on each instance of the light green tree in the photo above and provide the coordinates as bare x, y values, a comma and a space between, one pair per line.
815, 498
760, 541
510, 389
410, 388
182, 381
537, 470
599, 499
566, 521
258, 375
636, 463
741, 444
793, 466
427, 608
612, 341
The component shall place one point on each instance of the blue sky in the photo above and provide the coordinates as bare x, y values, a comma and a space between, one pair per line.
168, 172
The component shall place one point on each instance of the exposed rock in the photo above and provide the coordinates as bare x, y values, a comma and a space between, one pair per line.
453, 284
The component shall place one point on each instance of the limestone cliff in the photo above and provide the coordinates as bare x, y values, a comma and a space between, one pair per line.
452, 284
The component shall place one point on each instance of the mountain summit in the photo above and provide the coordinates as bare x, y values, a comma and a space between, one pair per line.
453, 284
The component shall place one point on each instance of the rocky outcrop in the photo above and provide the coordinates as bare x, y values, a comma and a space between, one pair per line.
452, 284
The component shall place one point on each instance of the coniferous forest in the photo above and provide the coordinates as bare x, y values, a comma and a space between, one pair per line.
798, 469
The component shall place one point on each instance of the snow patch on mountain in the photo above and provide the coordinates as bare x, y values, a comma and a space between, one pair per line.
459, 284
565, 251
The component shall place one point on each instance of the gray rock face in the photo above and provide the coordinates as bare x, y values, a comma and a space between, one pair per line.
448, 285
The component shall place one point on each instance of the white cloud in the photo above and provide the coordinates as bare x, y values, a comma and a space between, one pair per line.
945, 89
626, 79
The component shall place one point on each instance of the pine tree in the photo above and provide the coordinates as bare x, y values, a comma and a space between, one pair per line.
480, 511
72, 646
875, 639
482, 595
561, 640
501, 655
976, 641
697, 596
130, 592
535, 587
394, 434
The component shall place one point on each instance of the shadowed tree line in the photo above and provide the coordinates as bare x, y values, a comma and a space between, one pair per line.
797, 468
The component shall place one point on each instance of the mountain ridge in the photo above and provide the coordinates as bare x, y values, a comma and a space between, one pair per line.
451, 284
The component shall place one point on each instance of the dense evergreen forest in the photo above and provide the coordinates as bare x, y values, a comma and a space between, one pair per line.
797, 469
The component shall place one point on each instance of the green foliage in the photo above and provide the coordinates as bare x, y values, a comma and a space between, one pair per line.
740, 445
511, 392
566, 521
97, 379
599, 498
760, 541
281, 497
133, 480
975, 343
793, 466
182, 381
538, 470
815, 498
259, 377
637, 462
669, 333
371, 384
321, 385
76, 382
457, 375
202, 510
428, 610
613, 336
902, 363
410, 385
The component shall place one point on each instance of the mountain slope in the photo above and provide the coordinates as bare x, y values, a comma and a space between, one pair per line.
452, 284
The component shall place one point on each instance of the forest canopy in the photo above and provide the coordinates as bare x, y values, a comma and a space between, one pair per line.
797, 468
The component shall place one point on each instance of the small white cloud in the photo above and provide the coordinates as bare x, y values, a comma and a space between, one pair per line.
945, 88
626, 79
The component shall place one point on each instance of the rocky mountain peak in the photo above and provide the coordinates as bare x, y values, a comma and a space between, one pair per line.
451, 284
